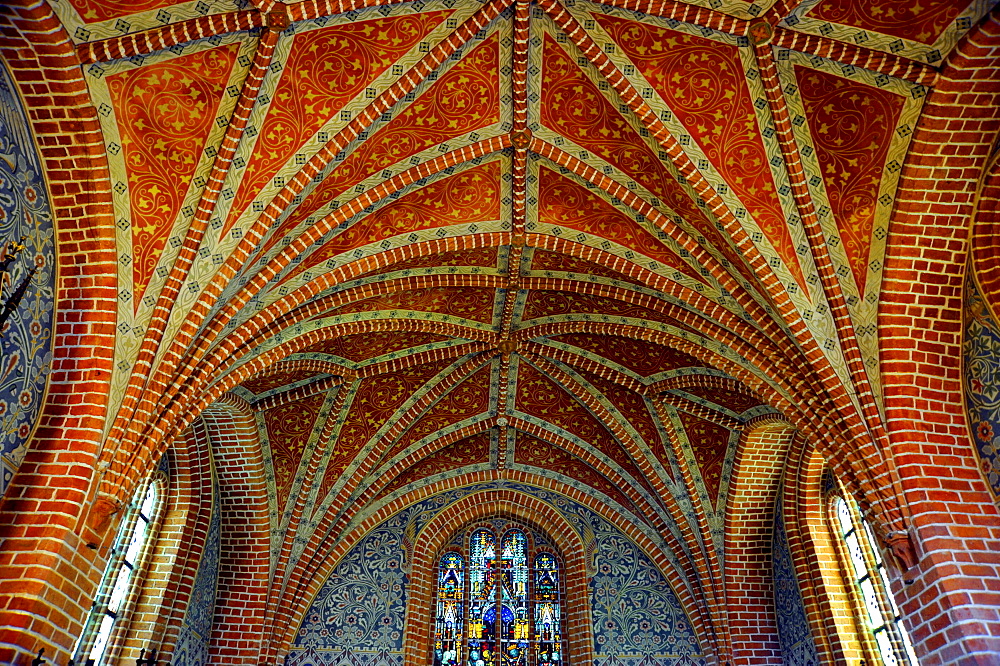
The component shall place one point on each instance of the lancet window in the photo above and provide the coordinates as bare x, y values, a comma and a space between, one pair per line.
499, 599
881, 614
121, 576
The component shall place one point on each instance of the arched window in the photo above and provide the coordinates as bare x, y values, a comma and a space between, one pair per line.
871, 585
498, 599
120, 577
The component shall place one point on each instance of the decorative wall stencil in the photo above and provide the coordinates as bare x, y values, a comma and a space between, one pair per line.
797, 646
371, 345
357, 617
704, 84
471, 397
196, 631
731, 400
637, 355
709, 444
633, 407
541, 303
95, 11
636, 615
550, 401
465, 98
535, 453
852, 125
548, 261
289, 427
981, 365
562, 202
485, 257
475, 303
574, 106
270, 382
359, 611
165, 112
326, 69
374, 403
922, 31
26, 339
466, 198
918, 21
468, 451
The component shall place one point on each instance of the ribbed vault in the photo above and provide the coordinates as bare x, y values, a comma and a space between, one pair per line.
591, 246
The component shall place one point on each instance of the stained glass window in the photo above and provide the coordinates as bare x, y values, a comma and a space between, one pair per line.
119, 577
450, 611
513, 608
882, 615
548, 629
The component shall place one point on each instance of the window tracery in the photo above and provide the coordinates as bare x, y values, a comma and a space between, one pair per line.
498, 600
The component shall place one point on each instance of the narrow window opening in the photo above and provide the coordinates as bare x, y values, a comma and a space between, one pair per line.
119, 579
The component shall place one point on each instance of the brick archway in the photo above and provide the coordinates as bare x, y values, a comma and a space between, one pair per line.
483, 505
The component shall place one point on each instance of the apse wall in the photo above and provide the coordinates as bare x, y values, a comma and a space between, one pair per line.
26, 337
981, 379
357, 617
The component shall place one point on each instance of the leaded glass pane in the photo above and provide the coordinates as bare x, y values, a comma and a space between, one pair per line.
871, 543
135, 543
450, 611
844, 515
868, 582
514, 613
546, 611
857, 557
148, 502
887, 588
119, 578
482, 597
486, 598
101, 642
871, 603
885, 648
119, 589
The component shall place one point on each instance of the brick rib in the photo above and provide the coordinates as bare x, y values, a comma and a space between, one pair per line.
158, 39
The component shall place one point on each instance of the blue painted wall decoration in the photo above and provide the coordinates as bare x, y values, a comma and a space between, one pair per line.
357, 617
797, 646
26, 337
195, 633
981, 379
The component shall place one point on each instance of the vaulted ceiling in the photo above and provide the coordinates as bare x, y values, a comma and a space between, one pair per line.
588, 243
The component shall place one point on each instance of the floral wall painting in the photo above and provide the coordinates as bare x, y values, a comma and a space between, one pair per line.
26, 336
981, 377
357, 616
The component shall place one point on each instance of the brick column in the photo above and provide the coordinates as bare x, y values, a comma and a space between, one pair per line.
952, 604
47, 571
749, 523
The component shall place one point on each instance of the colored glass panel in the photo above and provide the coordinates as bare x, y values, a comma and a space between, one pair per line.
548, 629
509, 609
514, 598
482, 579
450, 611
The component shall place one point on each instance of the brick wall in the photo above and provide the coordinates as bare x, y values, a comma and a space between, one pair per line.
952, 605
749, 574
49, 572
